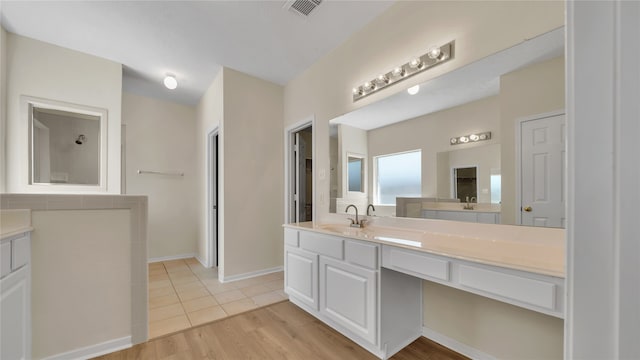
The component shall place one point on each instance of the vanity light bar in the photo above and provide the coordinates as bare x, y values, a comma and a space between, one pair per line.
470, 138
434, 56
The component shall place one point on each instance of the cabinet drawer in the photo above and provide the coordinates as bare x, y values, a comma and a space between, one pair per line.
530, 291
5, 258
415, 263
429, 214
19, 252
362, 254
291, 237
487, 218
322, 244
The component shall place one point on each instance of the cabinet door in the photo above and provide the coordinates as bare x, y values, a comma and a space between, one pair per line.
15, 322
348, 297
301, 276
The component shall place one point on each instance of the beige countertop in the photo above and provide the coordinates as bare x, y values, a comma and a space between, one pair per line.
513, 247
14, 222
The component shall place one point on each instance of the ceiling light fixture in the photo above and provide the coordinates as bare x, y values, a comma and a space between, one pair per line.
170, 82
413, 90
436, 55
470, 138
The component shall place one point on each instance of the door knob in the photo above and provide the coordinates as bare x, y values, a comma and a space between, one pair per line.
527, 209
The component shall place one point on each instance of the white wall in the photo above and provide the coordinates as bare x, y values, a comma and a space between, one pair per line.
603, 250
351, 141
3, 109
253, 174
81, 279
160, 136
209, 115
479, 29
533, 90
47, 71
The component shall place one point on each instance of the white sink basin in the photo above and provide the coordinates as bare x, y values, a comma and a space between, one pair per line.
382, 233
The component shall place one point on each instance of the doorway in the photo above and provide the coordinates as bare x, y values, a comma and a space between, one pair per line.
212, 201
465, 184
542, 171
299, 173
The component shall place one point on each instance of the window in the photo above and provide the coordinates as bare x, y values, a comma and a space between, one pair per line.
496, 193
397, 175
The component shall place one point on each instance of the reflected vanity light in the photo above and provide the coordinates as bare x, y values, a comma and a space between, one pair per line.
435, 55
413, 90
470, 138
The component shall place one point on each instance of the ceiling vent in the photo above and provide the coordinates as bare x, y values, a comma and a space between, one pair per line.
302, 7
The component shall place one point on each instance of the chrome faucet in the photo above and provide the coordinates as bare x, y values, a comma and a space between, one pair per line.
354, 223
469, 205
370, 207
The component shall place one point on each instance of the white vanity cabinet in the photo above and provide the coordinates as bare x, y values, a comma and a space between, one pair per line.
15, 297
338, 281
348, 297
485, 217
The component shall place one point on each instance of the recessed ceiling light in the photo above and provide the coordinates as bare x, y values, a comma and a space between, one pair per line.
413, 90
170, 82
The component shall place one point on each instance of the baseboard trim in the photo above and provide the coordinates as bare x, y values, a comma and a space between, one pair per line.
171, 257
455, 345
92, 351
203, 263
226, 279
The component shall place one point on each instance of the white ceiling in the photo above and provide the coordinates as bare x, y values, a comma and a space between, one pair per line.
192, 39
468, 83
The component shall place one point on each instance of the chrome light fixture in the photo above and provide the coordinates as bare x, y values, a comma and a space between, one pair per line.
470, 138
435, 55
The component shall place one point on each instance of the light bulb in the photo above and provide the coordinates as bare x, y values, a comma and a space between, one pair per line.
464, 139
357, 91
369, 86
415, 63
453, 141
399, 71
474, 137
383, 79
413, 90
170, 82
434, 53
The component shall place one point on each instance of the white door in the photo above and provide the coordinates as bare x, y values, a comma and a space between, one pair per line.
543, 171
348, 297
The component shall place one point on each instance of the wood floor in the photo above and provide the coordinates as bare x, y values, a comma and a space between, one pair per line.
278, 331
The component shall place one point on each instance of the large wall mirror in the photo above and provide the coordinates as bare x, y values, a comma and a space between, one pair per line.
67, 146
456, 150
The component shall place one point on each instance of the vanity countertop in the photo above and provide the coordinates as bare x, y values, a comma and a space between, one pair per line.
14, 222
534, 250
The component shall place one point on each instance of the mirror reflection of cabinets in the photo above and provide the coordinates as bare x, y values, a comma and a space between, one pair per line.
67, 145
489, 95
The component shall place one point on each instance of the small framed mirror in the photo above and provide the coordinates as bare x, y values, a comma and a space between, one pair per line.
67, 146
356, 173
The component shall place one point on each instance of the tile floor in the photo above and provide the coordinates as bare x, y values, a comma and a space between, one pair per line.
183, 293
